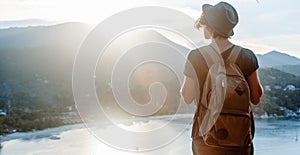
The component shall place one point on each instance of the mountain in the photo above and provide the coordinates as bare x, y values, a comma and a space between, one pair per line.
62, 35
154, 60
292, 69
36, 75
38, 61
275, 58
23, 23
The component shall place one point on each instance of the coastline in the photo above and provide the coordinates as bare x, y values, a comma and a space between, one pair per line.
40, 133
276, 117
56, 131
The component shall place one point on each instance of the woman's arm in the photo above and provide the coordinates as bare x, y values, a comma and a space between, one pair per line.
256, 90
188, 90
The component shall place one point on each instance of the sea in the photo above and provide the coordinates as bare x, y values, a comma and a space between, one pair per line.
272, 137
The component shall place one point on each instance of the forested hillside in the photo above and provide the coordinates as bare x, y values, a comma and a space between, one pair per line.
282, 93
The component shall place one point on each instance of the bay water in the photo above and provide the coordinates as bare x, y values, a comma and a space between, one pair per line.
272, 137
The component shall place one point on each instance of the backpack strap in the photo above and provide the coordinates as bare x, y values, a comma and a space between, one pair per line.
210, 55
234, 54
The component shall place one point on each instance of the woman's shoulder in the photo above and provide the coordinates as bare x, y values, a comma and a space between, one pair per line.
199, 50
195, 56
247, 61
196, 53
247, 53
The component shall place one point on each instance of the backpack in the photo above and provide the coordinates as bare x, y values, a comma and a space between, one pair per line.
224, 116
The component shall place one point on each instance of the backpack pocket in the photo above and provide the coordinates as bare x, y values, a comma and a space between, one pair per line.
230, 130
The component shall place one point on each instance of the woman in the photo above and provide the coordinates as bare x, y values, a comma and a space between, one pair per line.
218, 22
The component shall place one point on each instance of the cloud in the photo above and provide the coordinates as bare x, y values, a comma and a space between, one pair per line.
288, 43
264, 25
91, 11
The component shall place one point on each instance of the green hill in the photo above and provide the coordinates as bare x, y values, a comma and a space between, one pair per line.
293, 69
282, 93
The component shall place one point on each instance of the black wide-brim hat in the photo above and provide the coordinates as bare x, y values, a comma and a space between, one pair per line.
221, 17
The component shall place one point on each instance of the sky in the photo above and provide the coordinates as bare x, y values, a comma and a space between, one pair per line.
264, 25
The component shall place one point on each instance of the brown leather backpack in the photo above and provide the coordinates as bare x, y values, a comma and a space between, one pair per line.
224, 114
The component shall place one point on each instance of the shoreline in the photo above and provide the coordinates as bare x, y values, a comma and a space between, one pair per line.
38, 134
274, 117
56, 131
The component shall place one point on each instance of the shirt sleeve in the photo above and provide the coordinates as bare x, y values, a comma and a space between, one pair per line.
191, 65
248, 62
